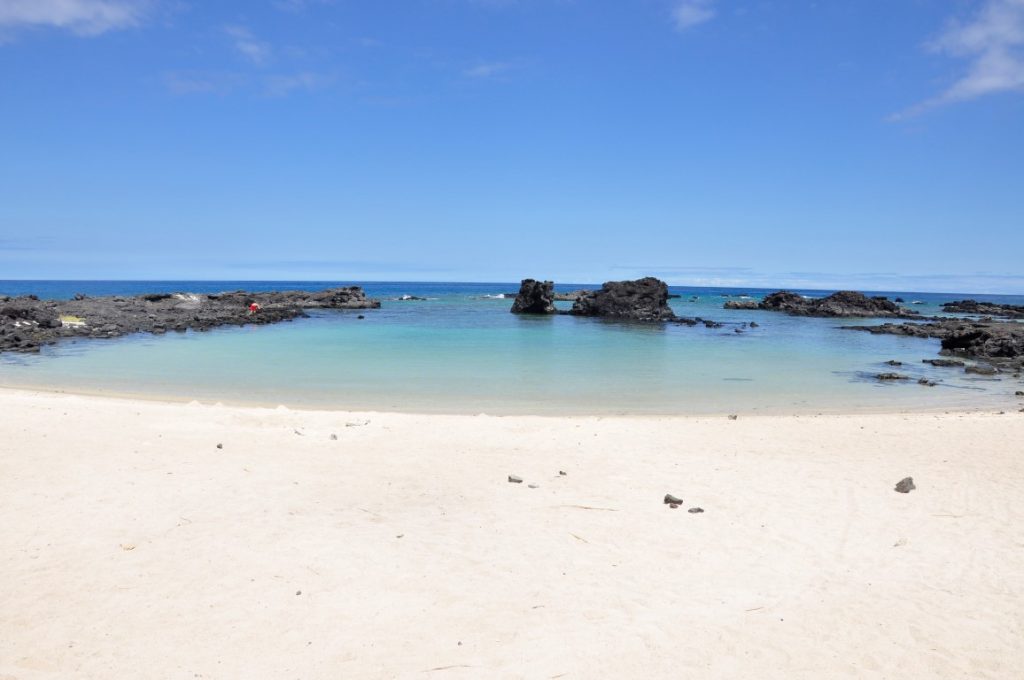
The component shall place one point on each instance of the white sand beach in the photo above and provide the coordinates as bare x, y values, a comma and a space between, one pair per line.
133, 547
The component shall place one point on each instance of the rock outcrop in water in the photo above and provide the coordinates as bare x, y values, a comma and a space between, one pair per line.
27, 323
535, 297
641, 300
845, 303
985, 309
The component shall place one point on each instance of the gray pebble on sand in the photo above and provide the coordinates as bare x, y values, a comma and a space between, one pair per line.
515, 480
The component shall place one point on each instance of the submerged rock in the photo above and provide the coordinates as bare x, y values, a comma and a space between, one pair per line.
534, 297
891, 376
944, 363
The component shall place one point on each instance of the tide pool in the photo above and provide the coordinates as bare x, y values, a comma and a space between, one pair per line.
461, 351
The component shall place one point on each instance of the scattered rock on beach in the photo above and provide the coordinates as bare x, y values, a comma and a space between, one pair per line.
926, 382
695, 511
893, 362
670, 500
980, 370
220, 446
513, 479
334, 437
905, 485
891, 376
562, 473
1018, 393
733, 417
532, 486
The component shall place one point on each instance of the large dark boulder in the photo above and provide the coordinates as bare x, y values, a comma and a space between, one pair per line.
641, 300
535, 297
845, 303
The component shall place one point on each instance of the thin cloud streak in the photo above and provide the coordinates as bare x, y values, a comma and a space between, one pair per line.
992, 43
82, 17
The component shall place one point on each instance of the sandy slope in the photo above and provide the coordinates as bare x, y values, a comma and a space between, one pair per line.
131, 547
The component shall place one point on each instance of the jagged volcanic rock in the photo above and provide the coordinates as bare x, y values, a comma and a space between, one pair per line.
534, 297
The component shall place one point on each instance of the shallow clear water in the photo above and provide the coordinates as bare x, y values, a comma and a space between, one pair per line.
462, 351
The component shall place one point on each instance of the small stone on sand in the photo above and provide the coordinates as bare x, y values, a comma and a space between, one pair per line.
695, 511
670, 499
220, 446
515, 480
905, 485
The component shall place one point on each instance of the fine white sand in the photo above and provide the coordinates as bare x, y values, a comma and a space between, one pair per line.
132, 547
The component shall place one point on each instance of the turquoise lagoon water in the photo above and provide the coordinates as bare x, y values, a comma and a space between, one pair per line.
461, 351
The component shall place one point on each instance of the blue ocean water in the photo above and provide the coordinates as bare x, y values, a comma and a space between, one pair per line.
461, 351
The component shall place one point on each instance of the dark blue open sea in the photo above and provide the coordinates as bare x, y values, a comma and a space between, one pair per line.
461, 351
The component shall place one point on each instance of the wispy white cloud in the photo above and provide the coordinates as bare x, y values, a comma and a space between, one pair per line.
254, 50
488, 69
299, 5
200, 82
283, 85
83, 17
689, 13
992, 43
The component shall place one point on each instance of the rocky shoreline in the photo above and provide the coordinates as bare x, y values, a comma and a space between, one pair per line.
27, 323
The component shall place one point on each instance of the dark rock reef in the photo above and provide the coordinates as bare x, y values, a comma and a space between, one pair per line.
845, 303
999, 342
27, 323
535, 297
985, 309
641, 300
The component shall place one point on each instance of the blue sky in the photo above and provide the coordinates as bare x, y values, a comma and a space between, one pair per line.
866, 144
